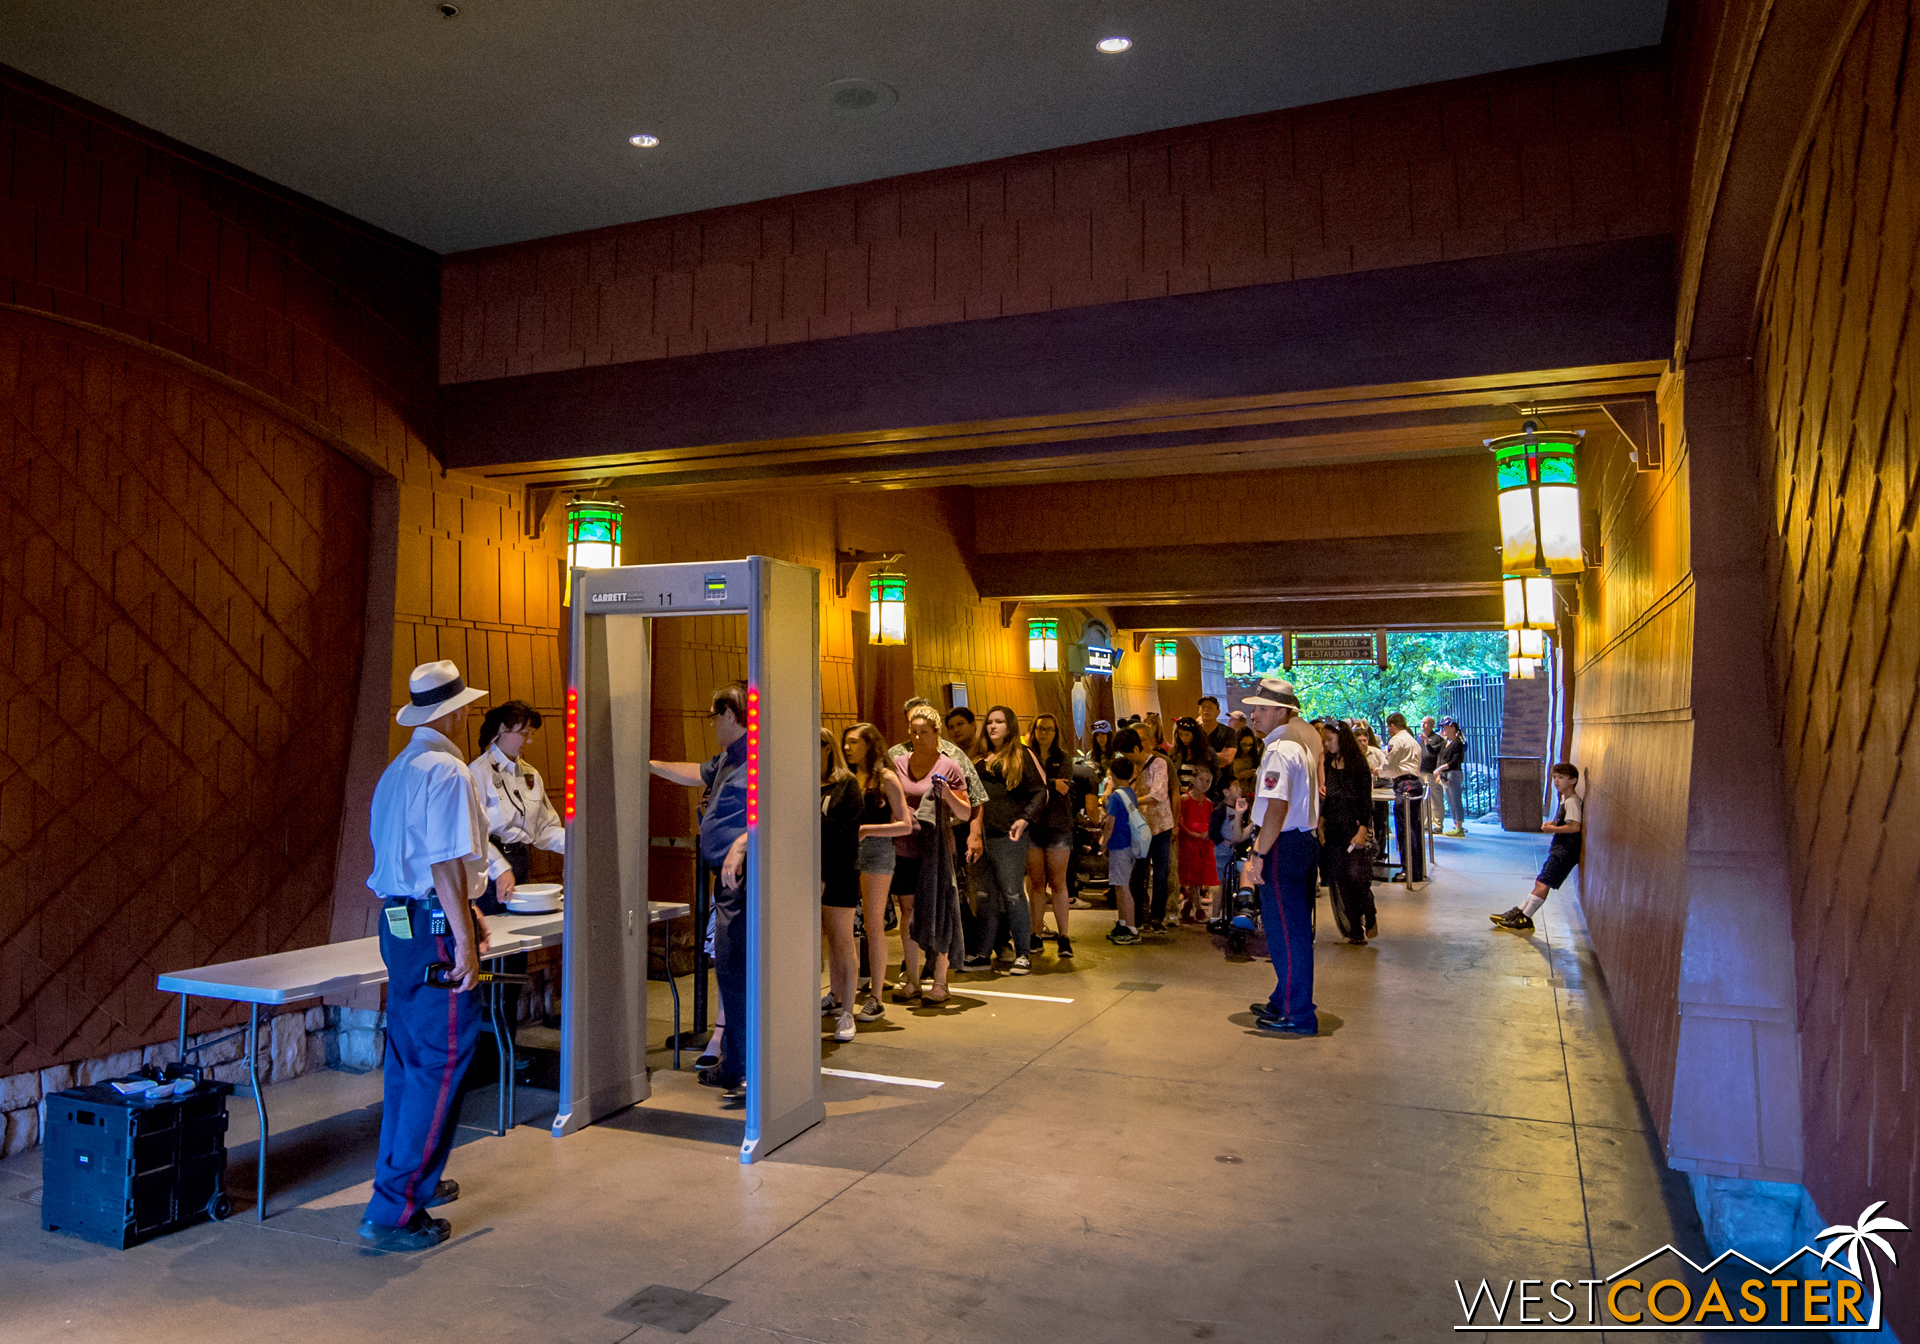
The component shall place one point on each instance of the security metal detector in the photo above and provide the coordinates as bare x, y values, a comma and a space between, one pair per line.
603, 1049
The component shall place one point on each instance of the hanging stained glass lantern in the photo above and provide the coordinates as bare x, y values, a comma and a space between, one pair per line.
1240, 659
1043, 644
1166, 659
593, 533
887, 608
1528, 600
1539, 501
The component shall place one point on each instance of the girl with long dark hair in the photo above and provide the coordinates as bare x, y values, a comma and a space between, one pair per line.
1052, 834
883, 817
1016, 798
1346, 816
1189, 748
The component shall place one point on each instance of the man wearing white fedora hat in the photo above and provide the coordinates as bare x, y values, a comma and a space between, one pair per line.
429, 861
1286, 808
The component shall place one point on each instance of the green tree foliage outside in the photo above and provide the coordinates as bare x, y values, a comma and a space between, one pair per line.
1418, 665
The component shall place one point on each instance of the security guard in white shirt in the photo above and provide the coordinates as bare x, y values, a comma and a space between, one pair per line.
520, 816
1286, 808
429, 863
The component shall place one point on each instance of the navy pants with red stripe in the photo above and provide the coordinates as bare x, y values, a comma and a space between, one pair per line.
430, 1039
1286, 918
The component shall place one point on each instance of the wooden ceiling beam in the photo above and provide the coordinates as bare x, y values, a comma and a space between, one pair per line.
1435, 563
1593, 311
1319, 615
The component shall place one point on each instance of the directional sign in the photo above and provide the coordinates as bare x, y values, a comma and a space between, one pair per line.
1333, 649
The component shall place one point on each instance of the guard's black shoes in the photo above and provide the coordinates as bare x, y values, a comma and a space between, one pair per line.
735, 1096
422, 1234
1262, 1009
444, 1193
1286, 1026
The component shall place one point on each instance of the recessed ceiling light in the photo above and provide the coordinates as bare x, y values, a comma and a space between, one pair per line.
854, 96
1113, 46
643, 140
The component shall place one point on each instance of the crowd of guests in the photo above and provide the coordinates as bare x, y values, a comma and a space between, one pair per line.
963, 836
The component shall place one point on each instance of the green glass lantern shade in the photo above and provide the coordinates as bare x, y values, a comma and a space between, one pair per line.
1539, 501
887, 609
1166, 659
1043, 644
593, 533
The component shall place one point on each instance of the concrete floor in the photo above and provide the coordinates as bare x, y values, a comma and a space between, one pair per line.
1136, 1164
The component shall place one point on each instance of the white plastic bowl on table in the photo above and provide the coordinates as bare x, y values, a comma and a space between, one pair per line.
535, 898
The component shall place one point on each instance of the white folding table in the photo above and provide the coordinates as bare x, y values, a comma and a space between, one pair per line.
340, 968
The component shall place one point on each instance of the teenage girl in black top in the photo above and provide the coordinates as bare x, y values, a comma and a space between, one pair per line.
1052, 834
1346, 816
883, 815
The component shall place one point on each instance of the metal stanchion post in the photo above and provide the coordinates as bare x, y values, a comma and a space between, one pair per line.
1409, 847
1426, 826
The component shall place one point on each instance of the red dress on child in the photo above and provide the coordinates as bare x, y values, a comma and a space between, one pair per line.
1196, 852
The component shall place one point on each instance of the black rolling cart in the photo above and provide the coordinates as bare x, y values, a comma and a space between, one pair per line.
121, 1168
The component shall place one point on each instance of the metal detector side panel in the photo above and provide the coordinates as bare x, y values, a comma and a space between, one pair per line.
783, 860
603, 1047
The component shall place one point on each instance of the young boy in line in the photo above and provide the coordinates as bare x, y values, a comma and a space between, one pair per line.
1123, 814
1562, 854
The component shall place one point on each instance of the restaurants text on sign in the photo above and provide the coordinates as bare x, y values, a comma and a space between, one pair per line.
1334, 649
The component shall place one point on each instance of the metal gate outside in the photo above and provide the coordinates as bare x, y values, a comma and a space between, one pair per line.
1477, 703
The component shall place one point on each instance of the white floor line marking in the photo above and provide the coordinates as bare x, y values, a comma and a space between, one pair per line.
881, 1078
1002, 994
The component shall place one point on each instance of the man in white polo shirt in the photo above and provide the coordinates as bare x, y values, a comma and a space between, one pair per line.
1286, 809
429, 861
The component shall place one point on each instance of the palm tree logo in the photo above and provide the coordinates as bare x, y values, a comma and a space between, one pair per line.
1852, 1240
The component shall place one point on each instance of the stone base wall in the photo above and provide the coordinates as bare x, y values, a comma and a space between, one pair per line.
291, 1044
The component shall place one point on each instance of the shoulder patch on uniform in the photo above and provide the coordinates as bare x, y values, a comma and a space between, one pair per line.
1273, 780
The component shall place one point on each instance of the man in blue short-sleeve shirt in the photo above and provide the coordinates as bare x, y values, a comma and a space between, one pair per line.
723, 846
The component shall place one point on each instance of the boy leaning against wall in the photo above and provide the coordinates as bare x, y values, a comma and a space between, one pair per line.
1562, 854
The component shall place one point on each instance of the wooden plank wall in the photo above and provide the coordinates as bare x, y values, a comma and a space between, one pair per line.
1573, 152
1837, 365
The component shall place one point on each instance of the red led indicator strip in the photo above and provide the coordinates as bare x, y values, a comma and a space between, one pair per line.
753, 757
573, 713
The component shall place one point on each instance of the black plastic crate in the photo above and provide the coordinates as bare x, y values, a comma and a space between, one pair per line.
119, 1169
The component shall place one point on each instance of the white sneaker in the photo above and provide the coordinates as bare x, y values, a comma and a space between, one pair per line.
1022, 964
843, 1027
828, 1003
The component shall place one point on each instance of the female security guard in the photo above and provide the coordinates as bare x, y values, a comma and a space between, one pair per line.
520, 816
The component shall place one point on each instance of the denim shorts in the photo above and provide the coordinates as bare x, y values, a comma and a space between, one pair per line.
1052, 841
876, 854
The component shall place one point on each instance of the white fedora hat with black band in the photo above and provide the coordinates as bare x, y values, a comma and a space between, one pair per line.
1275, 692
433, 690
